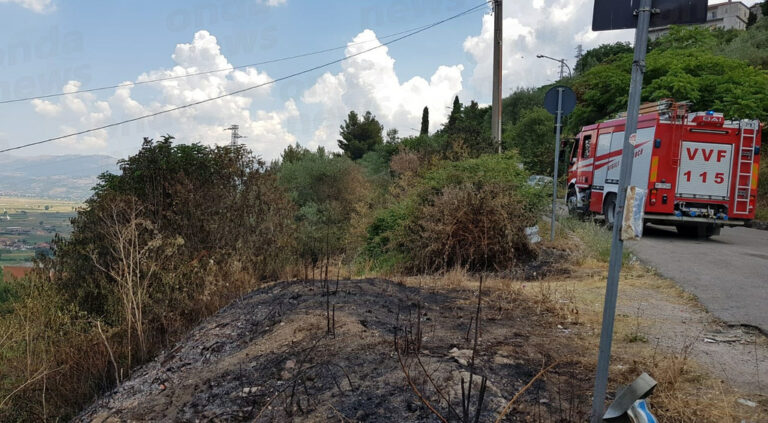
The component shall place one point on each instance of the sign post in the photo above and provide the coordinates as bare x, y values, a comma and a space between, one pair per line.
609, 14
560, 101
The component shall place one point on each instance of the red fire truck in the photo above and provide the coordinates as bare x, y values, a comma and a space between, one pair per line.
698, 169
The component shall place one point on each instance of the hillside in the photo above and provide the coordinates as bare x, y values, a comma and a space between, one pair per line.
268, 357
66, 177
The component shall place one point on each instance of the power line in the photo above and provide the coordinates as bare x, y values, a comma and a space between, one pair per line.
208, 72
208, 100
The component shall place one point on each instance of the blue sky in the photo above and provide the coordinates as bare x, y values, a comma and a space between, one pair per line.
49, 44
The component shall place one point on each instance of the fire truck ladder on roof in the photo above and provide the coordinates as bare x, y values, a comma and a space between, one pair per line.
745, 167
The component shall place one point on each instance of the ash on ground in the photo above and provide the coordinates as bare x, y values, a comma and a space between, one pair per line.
302, 351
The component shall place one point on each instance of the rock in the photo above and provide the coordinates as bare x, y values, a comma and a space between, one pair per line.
500, 359
290, 364
250, 391
461, 356
746, 402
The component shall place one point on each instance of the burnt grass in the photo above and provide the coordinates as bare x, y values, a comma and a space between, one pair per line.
269, 357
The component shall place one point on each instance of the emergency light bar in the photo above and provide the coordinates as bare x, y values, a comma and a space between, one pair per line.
707, 119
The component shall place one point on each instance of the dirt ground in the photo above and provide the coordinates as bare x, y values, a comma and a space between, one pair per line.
268, 357
701, 363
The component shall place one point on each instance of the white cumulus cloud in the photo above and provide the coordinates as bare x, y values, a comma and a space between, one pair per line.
265, 129
273, 3
549, 27
38, 6
368, 82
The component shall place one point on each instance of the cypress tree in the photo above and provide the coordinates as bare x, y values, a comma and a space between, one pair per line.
424, 121
455, 113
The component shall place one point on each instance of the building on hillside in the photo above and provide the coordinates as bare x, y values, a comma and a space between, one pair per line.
725, 15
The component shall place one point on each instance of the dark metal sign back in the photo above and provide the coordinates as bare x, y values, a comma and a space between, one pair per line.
620, 14
568, 101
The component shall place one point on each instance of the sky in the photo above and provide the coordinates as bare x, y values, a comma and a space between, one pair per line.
50, 46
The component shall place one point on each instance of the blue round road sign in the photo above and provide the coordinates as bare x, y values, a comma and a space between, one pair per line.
569, 100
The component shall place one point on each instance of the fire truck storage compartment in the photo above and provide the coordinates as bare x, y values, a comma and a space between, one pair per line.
705, 170
608, 159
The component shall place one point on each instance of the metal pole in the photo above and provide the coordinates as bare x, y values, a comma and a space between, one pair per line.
558, 126
617, 246
497, 44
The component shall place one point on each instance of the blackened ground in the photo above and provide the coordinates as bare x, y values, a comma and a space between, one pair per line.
269, 358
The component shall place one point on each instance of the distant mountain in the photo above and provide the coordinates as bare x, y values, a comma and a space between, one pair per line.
67, 177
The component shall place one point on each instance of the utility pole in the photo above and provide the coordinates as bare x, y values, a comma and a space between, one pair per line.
497, 44
617, 245
235, 134
562, 68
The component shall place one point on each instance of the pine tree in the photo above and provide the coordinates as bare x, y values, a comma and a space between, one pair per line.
360, 136
424, 122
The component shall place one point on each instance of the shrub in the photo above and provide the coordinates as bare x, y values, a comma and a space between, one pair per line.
477, 228
468, 213
181, 231
326, 191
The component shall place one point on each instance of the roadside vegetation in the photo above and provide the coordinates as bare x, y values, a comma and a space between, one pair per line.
182, 230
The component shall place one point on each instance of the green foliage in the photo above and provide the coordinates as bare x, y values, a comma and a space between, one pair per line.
683, 65
442, 218
600, 55
455, 113
359, 136
192, 201
326, 190
469, 128
424, 122
750, 45
752, 19
520, 102
532, 137
6, 294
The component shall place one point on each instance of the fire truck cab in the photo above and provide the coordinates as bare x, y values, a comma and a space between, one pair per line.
698, 169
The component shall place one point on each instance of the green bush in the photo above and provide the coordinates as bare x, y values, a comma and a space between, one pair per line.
470, 213
180, 232
326, 191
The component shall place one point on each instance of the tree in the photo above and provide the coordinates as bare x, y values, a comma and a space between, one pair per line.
752, 19
605, 53
764, 8
521, 101
393, 136
455, 113
293, 153
532, 137
360, 136
424, 121
326, 190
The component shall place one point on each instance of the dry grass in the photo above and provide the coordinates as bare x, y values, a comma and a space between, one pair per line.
17, 204
687, 391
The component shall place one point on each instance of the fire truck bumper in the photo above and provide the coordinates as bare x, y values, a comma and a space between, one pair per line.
666, 219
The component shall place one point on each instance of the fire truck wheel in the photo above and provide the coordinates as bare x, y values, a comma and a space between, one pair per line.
700, 231
609, 209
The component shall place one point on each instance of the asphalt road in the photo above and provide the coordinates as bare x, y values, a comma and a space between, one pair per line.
728, 273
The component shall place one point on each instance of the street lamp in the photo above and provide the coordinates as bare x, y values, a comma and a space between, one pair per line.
562, 64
